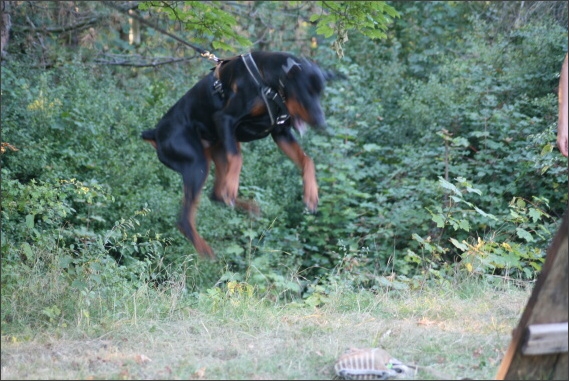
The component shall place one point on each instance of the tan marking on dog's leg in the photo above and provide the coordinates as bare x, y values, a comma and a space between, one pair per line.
227, 171
218, 158
234, 164
220, 188
200, 244
306, 165
189, 230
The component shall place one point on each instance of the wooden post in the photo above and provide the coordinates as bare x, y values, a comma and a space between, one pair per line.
542, 339
548, 304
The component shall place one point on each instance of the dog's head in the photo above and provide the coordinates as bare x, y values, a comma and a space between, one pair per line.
303, 83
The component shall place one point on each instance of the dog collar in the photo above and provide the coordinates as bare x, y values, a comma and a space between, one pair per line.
277, 106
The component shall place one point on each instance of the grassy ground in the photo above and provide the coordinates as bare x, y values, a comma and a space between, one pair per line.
453, 332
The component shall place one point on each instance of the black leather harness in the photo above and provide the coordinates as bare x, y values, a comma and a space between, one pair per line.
274, 100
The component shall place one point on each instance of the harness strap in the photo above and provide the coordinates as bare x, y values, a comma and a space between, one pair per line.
252, 68
267, 93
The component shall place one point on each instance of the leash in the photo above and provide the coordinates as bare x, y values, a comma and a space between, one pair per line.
204, 53
267, 93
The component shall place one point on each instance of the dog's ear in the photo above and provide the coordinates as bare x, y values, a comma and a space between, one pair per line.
332, 75
291, 66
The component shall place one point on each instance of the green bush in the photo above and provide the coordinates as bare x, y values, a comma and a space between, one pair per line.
469, 103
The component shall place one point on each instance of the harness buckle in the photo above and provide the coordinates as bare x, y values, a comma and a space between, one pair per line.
270, 93
218, 88
282, 119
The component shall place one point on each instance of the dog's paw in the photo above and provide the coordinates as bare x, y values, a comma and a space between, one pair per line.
201, 246
310, 187
229, 193
204, 250
311, 201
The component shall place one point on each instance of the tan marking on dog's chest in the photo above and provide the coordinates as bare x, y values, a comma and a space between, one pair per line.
259, 108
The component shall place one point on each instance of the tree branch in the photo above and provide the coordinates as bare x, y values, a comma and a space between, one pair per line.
59, 29
66, 28
121, 60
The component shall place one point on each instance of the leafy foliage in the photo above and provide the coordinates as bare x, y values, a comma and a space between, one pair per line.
204, 19
441, 160
371, 18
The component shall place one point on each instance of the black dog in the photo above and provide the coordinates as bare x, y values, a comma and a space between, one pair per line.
244, 98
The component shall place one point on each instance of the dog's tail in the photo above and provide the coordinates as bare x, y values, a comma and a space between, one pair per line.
149, 136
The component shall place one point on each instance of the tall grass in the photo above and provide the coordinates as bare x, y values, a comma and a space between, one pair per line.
233, 330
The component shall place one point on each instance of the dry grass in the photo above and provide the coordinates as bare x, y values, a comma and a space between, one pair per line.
456, 333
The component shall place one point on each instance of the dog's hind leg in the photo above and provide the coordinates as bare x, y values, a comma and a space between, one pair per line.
194, 174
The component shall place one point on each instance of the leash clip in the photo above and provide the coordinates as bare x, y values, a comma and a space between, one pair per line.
210, 56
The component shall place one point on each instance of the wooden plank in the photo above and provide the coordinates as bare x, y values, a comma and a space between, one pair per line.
544, 339
547, 304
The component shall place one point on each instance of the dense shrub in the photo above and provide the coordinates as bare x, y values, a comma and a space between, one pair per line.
441, 151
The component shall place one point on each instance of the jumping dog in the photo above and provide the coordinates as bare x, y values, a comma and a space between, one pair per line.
244, 98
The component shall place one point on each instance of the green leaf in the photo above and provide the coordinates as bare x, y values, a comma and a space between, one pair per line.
545, 169
64, 261
324, 30
371, 147
522, 233
374, 34
534, 214
546, 149
314, 17
249, 233
78, 284
439, 219
464, 225
445, 184
473, 190
417, 238
30, 221
27, 251
483, 213
460, 142
220, 45
234, 249
459, 245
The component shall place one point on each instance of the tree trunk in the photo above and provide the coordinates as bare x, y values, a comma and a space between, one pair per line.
5, 24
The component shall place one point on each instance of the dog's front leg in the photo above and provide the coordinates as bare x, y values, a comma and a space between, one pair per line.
217, 155
293, 150
229, 160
